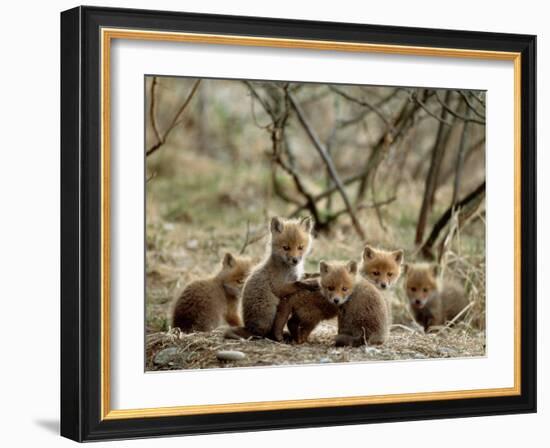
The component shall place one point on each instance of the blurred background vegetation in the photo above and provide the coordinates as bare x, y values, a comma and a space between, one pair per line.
397, 167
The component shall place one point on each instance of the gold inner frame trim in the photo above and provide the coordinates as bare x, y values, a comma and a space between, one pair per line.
107, 35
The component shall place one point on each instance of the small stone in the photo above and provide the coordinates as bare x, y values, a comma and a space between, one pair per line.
192, 244
372, 350
324, 360
230, 355
165, 356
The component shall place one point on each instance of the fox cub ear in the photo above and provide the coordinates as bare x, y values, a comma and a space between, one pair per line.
228, 260
277, 225
398, 255
368, 253
352, 267
436, 270
307, 223
324, 267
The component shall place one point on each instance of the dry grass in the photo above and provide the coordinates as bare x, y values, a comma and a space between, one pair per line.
198, 350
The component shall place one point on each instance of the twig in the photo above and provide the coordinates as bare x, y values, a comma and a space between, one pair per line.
328, 162
446, 216
454, 319
246, 237
426, 109
404, 327
249, 239
175, 120
470, 105
152, 115
373, 107
457, 115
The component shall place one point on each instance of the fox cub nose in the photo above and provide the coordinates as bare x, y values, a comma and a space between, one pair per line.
383, 285
336, 301
417, 302
295, 260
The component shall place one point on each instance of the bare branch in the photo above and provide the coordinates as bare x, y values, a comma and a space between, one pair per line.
470, 105
175, 120
477, 194
455, 114
460, 159
374, 108
438, 151
328, 162
152, 115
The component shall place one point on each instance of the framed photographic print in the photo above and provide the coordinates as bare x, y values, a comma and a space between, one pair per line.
277, 224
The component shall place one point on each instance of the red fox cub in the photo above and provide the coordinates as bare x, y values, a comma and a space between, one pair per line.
206, 304
306, 309
362, 311
433, 301
277, 276
382, 268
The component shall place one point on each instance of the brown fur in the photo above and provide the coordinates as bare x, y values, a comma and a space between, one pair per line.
433, 302
306, 308
208, 303
274, 278
382, 268
362, 312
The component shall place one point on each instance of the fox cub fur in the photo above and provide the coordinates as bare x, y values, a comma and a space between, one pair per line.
306, 308
432, 300
362, 311
209, 303
382, 268
277, 276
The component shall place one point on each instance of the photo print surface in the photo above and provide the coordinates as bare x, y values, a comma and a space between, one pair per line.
294, 223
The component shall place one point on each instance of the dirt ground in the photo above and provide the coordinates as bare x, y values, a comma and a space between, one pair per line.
173, 350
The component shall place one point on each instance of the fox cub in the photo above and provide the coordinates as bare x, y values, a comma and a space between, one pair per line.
362, 311
306, 308
433, 301
277, 276
383, 269
206, 304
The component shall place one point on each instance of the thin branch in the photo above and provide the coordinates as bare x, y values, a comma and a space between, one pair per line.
460, 159
470, 105
430, 183
446, 216
175, 120
374, 108
426, 109
328, 162
455, 114
264, 104
152, 115
365, 112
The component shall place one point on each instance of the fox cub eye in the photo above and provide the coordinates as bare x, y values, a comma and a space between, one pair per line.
287, 248
240, 282
413, 289
425, 289
390, 274
331, 288
344, 288
300, 247
375, 273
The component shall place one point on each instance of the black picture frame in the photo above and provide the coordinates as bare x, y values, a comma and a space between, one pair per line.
81, 224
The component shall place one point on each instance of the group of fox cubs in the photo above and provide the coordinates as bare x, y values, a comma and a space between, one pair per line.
275, 293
